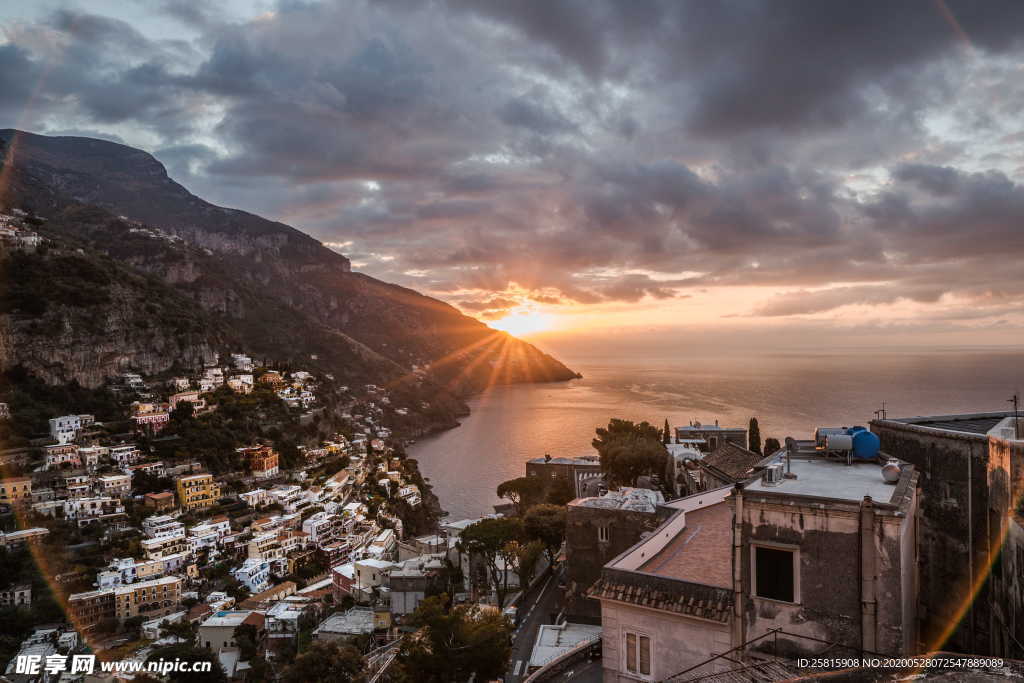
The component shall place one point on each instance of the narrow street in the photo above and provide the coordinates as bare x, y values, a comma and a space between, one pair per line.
539, 606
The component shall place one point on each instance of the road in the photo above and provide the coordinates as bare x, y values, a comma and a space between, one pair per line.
539, 606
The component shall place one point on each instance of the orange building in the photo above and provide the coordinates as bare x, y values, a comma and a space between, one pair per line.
262, 461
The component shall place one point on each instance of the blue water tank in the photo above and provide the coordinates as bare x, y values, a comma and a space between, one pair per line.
865, 445
855, 429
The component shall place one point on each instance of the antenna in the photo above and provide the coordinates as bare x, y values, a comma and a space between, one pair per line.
791, 446
880, 413
1016, 414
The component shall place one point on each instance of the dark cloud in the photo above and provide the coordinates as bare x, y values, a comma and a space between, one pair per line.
530, 111
576, 151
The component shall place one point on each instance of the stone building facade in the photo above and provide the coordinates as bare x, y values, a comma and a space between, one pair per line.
823, 561
972, 540
596, 530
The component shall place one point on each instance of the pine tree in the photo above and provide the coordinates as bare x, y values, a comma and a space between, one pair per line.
754, 436
666, 435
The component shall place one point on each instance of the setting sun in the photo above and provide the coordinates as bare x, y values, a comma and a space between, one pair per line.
524, 322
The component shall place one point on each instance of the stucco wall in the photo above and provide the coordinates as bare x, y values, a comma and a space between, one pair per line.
677, 642
828, 607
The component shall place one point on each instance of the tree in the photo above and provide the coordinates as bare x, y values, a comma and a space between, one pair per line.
133, 627
236, 589
248, 638
666, 434
489, 540
754, 436
546, 523
522, 491
326, 661
189, 653
630, 450
526, 555
183, 630
771, 445
471, 642
560, 492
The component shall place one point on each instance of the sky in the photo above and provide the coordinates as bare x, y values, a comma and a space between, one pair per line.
746, 171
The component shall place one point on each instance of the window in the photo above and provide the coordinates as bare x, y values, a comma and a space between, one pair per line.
604, 533
774, 573
638, 653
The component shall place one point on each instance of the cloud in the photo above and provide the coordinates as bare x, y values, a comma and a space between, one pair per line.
571, 152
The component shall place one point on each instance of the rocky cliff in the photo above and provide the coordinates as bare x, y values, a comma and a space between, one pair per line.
244, 280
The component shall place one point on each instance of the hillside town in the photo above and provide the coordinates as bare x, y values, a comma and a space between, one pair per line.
148, 551
697, 551
16, 230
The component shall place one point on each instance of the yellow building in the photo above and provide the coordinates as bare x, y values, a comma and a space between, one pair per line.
197, 491
16, 490
156, 598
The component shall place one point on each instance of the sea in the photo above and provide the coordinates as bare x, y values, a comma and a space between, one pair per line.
790, 394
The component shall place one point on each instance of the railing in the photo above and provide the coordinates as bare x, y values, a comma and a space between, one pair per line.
774, 634
378, 661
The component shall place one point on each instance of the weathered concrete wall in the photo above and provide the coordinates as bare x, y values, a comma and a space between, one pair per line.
677, 642
586, 554
970, 485
828, 585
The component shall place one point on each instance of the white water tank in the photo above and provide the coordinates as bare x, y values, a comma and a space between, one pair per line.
839, 442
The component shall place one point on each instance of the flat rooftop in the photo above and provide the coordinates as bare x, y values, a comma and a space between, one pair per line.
626, 498
970, 425
583, 460
556, 639
701, 552
353, 622
980, 424
822, 477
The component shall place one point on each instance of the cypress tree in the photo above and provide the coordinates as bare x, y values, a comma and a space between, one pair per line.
754, 436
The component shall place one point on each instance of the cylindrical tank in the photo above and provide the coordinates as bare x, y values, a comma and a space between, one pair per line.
866, 445
891, 472
855, 429
839, 442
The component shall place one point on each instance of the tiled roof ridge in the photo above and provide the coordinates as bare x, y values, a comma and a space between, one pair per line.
705, 602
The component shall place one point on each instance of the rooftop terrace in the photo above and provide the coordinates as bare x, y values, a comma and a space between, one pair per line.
626, 498
819, 476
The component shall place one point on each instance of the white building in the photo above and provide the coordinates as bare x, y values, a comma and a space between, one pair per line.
125, 454
384, 545
254, 574
119, 485
371, 573
162, 526
65, 429
322, 527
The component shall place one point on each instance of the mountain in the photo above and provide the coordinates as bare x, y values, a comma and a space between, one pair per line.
154, 250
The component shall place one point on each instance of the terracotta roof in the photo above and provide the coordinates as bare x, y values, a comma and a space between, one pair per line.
732, 460
200, 611
686, 598
256, 619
